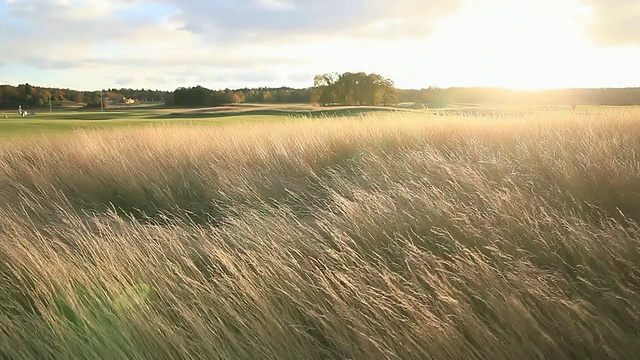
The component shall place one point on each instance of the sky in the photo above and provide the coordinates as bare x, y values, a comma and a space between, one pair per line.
165, 44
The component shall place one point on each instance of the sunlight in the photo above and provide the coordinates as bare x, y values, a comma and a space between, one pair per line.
501, 43
534, 46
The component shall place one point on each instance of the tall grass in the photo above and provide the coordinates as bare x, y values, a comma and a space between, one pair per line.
378, 237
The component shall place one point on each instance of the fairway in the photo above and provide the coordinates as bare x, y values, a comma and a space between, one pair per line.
44, 123
61, 122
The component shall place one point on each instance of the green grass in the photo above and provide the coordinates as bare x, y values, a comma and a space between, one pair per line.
65, 122
60, 122
383, 236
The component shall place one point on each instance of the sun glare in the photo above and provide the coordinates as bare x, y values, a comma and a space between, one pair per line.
503, 43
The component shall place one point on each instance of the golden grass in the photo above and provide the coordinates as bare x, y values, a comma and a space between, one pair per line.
379, 237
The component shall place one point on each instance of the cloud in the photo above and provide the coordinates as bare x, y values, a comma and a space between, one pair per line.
55, 33
230, 20
615, 22
77, 29
276, 4
125, 81
299, 78
198, 41
50, 63
61, 8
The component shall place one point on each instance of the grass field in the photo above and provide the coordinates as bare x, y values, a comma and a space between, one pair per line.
64, 122
382, 236
60, 122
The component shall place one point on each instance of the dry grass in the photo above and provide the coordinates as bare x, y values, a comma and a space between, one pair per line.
388, 237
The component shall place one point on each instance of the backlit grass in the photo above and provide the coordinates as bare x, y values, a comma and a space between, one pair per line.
383, 236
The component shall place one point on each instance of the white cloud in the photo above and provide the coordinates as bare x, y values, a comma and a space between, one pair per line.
228, 21
170, 43
276, 4
235, 41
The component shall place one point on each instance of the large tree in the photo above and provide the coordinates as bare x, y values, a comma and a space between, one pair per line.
352, 89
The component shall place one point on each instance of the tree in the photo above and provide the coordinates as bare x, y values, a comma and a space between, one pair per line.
240, 97
388, 91
10, 96
355, 89
77, 97
325, 89
28, 90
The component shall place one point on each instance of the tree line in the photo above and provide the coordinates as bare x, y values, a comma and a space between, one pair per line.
27, 96
201, 96
354, 89
329, 89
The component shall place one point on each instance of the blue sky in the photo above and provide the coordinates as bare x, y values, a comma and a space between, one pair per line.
94, 44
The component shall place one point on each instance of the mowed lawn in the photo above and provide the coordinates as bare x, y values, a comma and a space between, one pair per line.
64, 122
59, 122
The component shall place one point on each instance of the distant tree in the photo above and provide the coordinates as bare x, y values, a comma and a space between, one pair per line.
325, 89
239, 97
77, 97
113, 97
352, 89
388, 91
28, 90
59, 95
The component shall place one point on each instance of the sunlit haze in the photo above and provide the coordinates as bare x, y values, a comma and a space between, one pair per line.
164, 44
